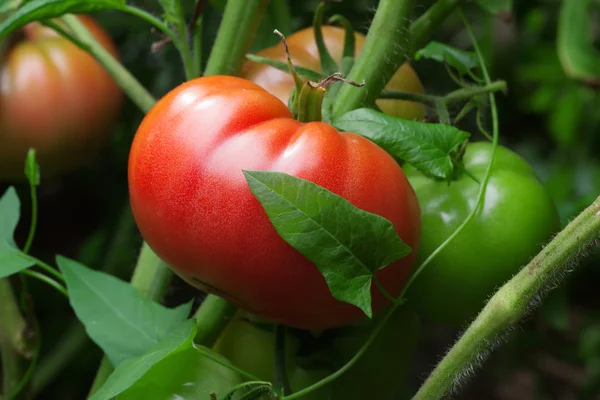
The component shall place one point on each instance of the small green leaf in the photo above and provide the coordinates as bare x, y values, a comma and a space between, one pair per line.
282, 66
462, 60
44, 9
428, 147
117, 317
12, 260
346, 244
32, 169
131, 370
10, 212
495, 7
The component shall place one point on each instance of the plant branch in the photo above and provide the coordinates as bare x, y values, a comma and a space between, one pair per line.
424, 27
514, 300
380, 56
138, 94
455, 96
211, 318
13, 327
235, 36
282, 382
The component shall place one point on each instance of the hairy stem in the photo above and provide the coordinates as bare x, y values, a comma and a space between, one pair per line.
236, 34
513, 301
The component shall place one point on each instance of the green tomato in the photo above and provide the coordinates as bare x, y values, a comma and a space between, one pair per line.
517, 218
184, 375
252, 348
381, 372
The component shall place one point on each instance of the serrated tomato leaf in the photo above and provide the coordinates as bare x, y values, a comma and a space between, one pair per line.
462, 60
130, 371
346, 244
428, 147
122, 322
36, 10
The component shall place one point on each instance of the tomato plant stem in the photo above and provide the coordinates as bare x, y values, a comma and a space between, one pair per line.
282, 383
14, 347
513, 301
382, 54
120, 74
13, 324
235, 36
387, 47
422, 29
461, 94
61, 355
212, 316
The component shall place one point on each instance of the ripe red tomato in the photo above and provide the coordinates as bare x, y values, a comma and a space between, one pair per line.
304, 52
56, 98
194, 207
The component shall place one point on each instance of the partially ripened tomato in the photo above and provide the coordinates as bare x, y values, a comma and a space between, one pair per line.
56, 98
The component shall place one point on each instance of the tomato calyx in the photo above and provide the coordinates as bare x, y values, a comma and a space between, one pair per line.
308, 96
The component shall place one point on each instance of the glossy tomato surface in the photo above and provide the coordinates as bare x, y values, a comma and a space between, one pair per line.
304, 52
55, 98
517, 218
194, 207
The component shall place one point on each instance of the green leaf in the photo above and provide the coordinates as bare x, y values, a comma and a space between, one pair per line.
495, 7
10, 212
43, 9
117, 317
346, 244
130, 371
462, 60
12, 260
428, 147
282, 66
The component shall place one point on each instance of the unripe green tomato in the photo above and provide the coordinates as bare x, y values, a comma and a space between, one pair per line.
184, 375
518, 216
252, 348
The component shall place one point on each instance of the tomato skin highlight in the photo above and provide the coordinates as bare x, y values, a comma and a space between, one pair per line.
56, 98
193, 205
304, 53
517, 219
